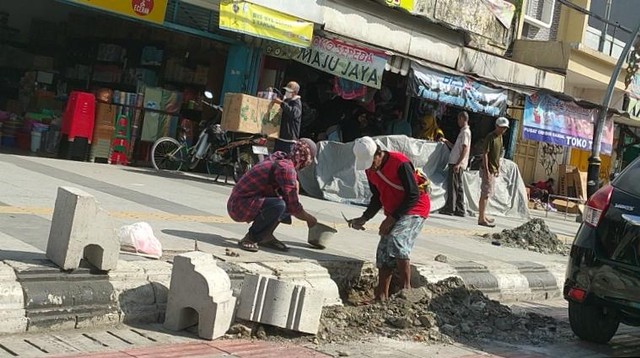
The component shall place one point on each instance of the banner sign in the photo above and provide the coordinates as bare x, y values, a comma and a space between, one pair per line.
255, 20
551, 120
354, 63
145, 10
402, 4
457, 91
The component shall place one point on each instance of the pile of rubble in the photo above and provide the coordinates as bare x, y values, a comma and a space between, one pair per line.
443, 312
533, 235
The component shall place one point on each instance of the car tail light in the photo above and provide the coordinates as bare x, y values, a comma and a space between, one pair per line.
597, 206
577, 294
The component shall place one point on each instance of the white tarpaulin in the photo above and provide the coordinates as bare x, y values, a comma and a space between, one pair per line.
334, 177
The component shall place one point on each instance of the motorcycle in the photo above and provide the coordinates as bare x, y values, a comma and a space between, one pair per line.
235, 157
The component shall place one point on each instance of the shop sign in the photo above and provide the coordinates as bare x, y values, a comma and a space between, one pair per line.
145, 10
255, 20
354, 63
551, 120
402, 4
457, 91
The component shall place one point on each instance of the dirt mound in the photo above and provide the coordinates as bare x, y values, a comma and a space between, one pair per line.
441, 312
533, 235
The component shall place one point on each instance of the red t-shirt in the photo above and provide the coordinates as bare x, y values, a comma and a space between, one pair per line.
398, 198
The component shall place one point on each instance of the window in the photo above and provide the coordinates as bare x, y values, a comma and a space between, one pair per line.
540, 12
628, 179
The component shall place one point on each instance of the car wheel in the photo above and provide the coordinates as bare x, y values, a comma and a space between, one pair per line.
593, 323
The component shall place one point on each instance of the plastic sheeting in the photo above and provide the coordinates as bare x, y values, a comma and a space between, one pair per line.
334, 178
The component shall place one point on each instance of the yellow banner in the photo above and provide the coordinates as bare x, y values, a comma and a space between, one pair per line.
248, 18
145, 10
403, 4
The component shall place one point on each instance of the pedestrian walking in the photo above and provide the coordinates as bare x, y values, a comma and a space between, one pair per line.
458, 161
291, 120
490, 168
394, 188
268, 194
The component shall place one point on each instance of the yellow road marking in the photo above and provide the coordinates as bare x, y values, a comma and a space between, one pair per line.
213, 219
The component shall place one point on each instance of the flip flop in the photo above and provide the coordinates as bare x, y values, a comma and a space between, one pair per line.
248, 245
487, 224
274, 244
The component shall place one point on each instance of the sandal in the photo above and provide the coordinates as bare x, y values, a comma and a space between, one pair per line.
248, 245
275, 244
487, 224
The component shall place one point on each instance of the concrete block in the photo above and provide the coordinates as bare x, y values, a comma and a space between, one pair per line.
200, 292
305, 273
280, 303
12, 312
81, 229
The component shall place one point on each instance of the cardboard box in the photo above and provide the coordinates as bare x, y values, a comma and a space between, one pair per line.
249, 114
563, 170
566, 206
105, 114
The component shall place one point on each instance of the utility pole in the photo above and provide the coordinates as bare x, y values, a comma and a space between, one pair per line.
593, 173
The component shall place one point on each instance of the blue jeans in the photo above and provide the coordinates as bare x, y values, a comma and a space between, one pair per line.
272, 212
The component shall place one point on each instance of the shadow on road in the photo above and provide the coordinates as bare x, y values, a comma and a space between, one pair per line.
182, 176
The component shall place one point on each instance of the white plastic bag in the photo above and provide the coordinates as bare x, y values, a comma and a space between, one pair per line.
139, 238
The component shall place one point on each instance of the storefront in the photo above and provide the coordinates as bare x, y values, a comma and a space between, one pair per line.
148, 62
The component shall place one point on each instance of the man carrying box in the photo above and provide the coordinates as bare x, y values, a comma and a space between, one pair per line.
291, 118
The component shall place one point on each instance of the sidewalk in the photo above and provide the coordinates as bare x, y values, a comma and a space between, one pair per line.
188, 210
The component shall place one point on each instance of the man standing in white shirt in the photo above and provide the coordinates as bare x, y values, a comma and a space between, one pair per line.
458, 160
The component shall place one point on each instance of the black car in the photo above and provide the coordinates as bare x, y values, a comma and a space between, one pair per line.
603, 277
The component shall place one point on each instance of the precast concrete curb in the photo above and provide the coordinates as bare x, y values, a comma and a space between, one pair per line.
36, 295
504, 281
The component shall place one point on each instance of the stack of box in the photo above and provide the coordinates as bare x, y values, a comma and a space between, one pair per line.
248, 114
103, 132
572, 183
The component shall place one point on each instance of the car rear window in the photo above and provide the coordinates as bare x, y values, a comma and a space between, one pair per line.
628, 179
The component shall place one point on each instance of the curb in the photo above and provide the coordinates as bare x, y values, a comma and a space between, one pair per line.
36, 295
504, 281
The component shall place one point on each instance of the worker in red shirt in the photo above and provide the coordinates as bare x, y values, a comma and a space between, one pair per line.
268, 194
394, 188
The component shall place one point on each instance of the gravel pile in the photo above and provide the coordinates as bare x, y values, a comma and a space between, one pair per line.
533, 236
440, 313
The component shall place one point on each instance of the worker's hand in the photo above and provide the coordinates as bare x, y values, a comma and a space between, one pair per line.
357, 223
497, 173
276, 100
311, 221
387, 225
456, 168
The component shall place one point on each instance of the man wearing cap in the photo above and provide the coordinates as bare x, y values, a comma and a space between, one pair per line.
268, 194
490, 168
291, 118
394, 188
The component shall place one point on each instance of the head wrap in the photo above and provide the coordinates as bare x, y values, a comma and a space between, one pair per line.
303, 153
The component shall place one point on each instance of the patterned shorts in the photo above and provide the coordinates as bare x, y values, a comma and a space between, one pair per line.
488, 183
399, 242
